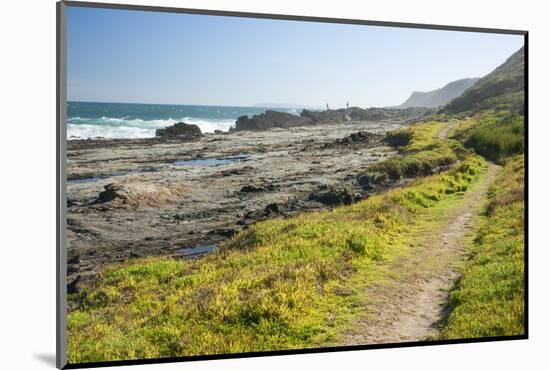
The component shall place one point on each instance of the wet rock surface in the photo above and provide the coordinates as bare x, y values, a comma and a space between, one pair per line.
143, 204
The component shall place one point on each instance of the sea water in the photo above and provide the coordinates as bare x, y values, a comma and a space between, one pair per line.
125, 120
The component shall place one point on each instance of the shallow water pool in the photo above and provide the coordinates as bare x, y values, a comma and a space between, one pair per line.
211, 161
199, 250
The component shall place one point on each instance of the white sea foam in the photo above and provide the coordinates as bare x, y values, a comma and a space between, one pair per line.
210, 125
109, 127
93, 131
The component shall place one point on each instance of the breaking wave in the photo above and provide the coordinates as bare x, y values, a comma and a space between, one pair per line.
110, 127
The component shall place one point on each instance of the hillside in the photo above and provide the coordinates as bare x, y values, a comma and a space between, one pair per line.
440, 96
501, 89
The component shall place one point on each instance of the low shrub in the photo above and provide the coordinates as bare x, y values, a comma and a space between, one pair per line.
494, 135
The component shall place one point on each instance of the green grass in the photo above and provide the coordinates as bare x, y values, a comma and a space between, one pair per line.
415, 138
489, 301
494, 135
422, 154
282, 284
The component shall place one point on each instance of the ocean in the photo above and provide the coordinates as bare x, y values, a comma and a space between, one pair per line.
125, 120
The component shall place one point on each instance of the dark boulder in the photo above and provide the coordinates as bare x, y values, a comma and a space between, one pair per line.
225, 233
361, 137
74, 259
272, 208
333, 196
238, 171
251, 189
179, 130
75, 285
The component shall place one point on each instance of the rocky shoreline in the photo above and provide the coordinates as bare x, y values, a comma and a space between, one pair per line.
273, 119
131, 198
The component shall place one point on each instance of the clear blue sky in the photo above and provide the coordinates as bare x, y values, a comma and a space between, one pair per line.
145, 57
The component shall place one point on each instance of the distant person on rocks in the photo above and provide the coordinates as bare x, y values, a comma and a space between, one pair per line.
328, 107
347, 104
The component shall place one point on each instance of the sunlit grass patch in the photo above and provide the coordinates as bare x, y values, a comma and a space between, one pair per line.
422, 154
489, 301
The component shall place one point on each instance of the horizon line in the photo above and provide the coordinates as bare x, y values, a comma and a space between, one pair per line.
201, 105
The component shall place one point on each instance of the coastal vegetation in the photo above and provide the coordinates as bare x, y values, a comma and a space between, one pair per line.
422, 153
280, 284
495, 135
489, 299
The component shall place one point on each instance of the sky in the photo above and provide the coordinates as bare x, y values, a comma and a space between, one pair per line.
164, 58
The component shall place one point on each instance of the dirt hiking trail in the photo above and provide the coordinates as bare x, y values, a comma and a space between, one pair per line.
410, 304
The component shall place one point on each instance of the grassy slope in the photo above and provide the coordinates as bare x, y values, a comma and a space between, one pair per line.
489, 300
495, 135
284, 283
502, 89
